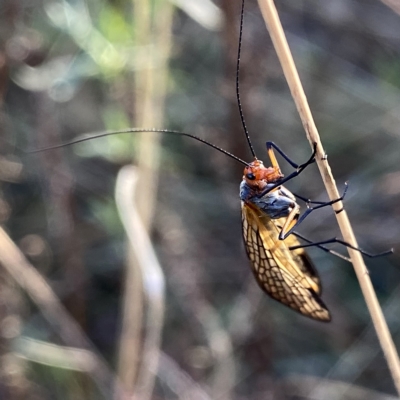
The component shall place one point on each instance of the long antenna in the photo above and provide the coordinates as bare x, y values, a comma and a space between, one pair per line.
91, 136
246, 132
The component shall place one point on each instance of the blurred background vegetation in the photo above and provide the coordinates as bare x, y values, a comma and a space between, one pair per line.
68, 67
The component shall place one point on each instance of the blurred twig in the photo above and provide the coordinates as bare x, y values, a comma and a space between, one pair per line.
393, 4
241, 316
55, 355
43, 296
280, 43
153, 282
10, 170
180, 381
207, 322
357, 358
224, 373
204, 12
298, 386
60, 202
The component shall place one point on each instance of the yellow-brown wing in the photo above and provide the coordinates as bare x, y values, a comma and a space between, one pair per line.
301, 258
287, 276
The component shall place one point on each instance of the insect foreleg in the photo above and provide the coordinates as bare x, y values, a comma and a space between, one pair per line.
274, 162
299, 168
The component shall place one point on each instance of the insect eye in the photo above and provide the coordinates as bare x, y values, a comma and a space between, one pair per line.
250, 176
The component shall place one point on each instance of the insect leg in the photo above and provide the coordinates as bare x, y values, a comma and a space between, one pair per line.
291, 224
274, 163
336, 240
333, 252
308, 201
322, 203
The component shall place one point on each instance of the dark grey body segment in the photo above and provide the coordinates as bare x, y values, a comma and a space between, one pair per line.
276, 204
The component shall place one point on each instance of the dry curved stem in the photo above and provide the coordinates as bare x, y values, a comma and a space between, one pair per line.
153, 361
153, 281
275, 29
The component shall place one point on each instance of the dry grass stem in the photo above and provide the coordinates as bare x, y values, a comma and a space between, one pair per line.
152, 279
14, 262
129, 351
275, 29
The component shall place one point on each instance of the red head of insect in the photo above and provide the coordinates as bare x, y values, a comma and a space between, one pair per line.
257, 176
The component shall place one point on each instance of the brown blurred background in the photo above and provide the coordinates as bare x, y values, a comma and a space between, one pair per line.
72, 67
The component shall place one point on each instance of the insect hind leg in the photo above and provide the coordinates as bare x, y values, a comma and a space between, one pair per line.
336, 240
320, 246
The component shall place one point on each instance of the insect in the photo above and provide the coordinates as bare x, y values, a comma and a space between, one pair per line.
270, 214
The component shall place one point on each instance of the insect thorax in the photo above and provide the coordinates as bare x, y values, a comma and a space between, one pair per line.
276, 204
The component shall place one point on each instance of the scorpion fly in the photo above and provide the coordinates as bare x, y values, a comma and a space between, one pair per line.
270, 214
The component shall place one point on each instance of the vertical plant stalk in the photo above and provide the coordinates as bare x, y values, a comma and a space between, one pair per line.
153, 32
153, 26
275, 29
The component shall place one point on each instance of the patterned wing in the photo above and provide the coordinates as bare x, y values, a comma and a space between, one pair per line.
301, 258
287, 276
